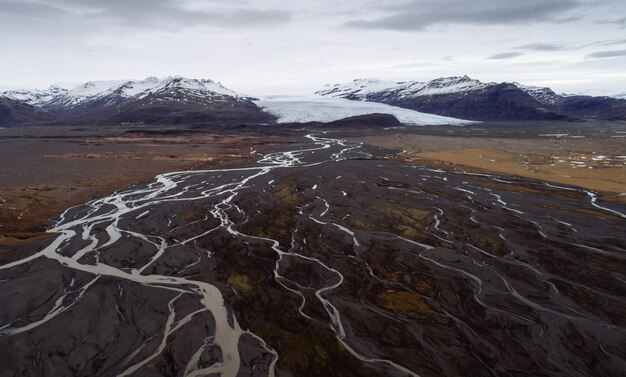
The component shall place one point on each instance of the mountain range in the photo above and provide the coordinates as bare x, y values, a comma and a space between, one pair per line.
171, 100
179, 100
463, 97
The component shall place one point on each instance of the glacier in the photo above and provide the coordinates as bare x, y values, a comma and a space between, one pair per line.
316, 108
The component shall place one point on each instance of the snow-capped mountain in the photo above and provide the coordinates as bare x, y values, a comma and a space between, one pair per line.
171, 99
363, 89
578, 105
466, 98
143, 88
176, 99
458, 97
113, 93
544, 95
34, 97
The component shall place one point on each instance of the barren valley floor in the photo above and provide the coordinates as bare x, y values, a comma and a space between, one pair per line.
309, 252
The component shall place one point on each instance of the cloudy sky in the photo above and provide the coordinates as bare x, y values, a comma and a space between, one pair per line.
271, 46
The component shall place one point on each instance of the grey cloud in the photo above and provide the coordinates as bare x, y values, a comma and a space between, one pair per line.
614, 21
566, 19
544, 47
158, 14
413, 65
164, 12
505, 55
609, 42
570, 46
607, 54
19, 18
419, 14
29, 9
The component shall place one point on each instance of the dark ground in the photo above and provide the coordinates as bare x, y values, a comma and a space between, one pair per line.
342, 260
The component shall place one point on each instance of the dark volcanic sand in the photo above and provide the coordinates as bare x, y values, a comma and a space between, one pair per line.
328, 261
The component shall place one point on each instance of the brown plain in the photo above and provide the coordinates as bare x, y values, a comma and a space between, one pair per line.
562, 161
41, 176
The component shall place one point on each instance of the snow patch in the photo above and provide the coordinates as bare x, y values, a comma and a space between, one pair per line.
620, 96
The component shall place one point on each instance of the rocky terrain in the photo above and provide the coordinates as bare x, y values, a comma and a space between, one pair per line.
322, 257
16, 113
581, 106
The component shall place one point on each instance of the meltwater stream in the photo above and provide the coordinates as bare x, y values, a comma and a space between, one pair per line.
462, 272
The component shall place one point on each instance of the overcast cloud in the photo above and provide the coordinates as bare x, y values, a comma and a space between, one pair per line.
505, 55
420, 14
136, 14
544, 47
262, 46
607, 54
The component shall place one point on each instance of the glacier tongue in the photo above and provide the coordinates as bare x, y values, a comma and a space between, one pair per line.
315, 108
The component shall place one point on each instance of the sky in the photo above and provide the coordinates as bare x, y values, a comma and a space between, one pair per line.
282, 46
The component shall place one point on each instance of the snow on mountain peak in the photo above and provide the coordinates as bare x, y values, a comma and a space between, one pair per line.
454, 84
620, 96
542, 94
147, 86
124, 89
358, 87
204, 85
362, 88
94, 88
35, 96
